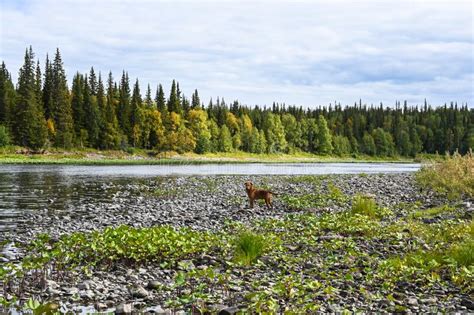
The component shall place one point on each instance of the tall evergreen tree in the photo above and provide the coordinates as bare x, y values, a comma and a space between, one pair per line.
30, 126
61, 105
160, 99
7, 97
124, 109
48, 89
77, 104
91, 110
136, 117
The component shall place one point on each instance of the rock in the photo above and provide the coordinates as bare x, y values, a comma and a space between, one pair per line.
158, 310
100, 306
124, 308
70, 291
229, 311
469, 303
412, 301
139, 292
154, 284
52, 284
84, 285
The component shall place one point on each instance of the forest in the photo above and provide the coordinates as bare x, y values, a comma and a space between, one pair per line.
43, 111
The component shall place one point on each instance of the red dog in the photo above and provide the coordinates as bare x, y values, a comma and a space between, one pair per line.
258, 194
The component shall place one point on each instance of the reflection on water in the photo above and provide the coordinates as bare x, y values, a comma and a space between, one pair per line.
62, 188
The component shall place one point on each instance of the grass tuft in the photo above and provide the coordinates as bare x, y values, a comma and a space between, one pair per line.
364, 205
249, 246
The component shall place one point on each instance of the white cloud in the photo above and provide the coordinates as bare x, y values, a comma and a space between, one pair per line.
304, 52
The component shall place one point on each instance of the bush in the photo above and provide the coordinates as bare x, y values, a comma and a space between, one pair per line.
453, 177
249, 247
4, 136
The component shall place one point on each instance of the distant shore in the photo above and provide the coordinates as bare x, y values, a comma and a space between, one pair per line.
13, 155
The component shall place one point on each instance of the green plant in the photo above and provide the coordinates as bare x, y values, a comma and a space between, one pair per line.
249, 246
364, 205
453, 177
432, 212
4, 136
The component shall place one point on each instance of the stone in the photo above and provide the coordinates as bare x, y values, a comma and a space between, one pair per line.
412, 301
100, 306
124, 308
139, 292
229, 311
84, 286
154, 284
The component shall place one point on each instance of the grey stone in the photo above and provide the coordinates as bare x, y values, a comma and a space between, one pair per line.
229, 311
139, 292
124, 308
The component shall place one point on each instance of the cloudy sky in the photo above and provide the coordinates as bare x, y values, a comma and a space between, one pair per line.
299, 52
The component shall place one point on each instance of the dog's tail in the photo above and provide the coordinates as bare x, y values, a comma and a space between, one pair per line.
271, 192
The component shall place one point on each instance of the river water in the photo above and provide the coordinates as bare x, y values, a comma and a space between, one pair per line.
54, 188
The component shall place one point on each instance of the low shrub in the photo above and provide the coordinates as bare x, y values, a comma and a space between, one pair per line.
453, 177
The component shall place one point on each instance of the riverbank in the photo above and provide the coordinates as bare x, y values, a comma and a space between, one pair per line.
15, 155
325, 254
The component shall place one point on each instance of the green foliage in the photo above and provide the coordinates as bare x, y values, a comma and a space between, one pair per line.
324, 137
453, 177
42, 112
432, 212
4, 136
249, 247
365, 206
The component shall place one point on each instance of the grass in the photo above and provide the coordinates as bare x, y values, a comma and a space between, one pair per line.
432, 212
249, 246
365, 206
134, 156
452, 177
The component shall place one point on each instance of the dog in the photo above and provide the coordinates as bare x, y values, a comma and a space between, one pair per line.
254, 194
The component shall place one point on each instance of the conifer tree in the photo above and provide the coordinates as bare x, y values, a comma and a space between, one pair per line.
61, 105
77, 104
124, 108
7, 97
148, 99
91, 110
48, 89
195, 101
30, 126
136, 117
160, 99
110, 138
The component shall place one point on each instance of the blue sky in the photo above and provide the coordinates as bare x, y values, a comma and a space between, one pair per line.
307, 53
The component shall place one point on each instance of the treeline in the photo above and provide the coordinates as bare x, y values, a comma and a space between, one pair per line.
41, 111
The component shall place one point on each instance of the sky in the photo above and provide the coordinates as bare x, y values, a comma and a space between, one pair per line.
307, 53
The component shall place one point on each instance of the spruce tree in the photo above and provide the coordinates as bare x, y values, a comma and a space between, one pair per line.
7, 97
91, 110
110, 138
48, 89
148, 99
160, 99
124, 110
136, 117
77, 104
30, 125
61, 105
195, 101
173, 100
